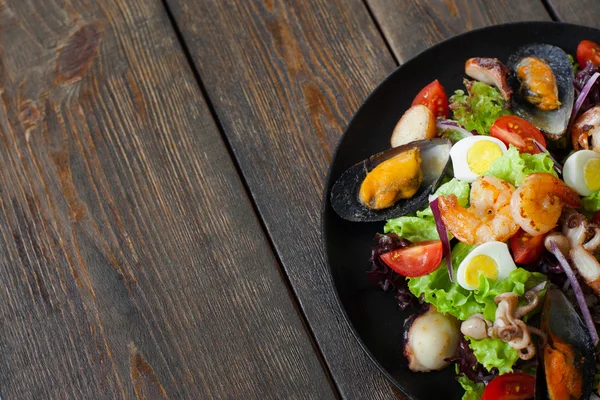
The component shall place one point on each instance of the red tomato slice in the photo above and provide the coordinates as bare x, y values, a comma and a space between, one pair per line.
588, 51
518, 132
511, 386
433, 97
526, 249
416, 260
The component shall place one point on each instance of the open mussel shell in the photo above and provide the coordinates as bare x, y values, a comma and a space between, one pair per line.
435, 159
560, 320
553, 123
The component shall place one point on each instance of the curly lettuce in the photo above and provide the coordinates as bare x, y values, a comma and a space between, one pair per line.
574, 64
453, 136
461, 189
414, 229
479, 107
494, 353
455, 300
513, 166
591, 204
473, 390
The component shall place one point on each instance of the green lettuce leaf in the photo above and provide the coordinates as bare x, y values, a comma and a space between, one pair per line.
513, 166
473, 391
494, 353
479, 107
453, 136
414, 229
574, 64
437, 289
453, 299
591, 204
457, 187
460, 251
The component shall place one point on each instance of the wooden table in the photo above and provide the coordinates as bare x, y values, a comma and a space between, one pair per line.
162, 168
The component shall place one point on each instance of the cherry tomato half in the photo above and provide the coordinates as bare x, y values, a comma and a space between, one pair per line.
526, 249
511, 386
433, 97
416, 260
518, 132
588, 51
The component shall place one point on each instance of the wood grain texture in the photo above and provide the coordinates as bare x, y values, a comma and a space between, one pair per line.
582, 12
411, 26
284, 78
131, 261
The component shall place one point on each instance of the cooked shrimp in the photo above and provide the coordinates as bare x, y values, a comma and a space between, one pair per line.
537, 204
487, 219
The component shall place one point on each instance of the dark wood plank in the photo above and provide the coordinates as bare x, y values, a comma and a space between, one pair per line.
131, 261
285, 77
411, 26
582, 12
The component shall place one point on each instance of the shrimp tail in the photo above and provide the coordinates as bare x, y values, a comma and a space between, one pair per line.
537, 204
456, 218
552, 185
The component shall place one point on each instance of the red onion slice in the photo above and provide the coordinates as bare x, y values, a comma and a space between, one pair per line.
443, 232
576, 289
450, 125
581, 98
557, 167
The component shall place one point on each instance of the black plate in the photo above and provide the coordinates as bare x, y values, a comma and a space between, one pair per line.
374, 315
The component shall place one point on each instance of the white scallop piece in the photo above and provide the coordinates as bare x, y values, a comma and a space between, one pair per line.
498, 251
458, 154
573, 170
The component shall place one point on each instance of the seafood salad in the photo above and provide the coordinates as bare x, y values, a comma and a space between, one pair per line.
489, 203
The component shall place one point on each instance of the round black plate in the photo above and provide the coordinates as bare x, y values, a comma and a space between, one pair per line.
374, 315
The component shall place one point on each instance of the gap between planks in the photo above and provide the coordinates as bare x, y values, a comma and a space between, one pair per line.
388, 45
551, 11
231, 153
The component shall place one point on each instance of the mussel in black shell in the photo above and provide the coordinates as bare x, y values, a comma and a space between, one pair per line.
568, 356
392, 183
538, 84
542, 81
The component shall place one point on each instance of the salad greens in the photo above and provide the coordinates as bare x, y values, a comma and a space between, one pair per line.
494, 353
422, 226
455, 300
460, 189
473, 390
414, 229
574, 64
453, 136
514, 166
591, 204
479, 107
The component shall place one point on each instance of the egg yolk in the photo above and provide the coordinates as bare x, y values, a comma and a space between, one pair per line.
480, 265
481, 155
591, 174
